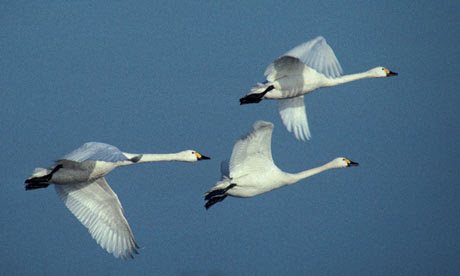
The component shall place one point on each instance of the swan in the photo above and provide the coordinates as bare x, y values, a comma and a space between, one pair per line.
305, 68
80, 183
251, 170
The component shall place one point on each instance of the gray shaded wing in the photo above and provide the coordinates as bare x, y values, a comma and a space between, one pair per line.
252, 151
317, 54
96, 151
294, 117
97, 207
288, 72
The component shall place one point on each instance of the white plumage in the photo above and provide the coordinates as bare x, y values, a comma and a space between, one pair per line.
305, 68
252, 170
80, 183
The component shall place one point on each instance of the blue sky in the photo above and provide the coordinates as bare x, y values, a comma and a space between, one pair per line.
166, 76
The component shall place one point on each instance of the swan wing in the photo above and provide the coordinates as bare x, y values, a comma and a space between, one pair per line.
252, 152
318, 55
97, 207
96, 151
288, 72
294, 117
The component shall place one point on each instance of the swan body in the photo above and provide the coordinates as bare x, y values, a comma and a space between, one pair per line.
302, 70
251, 170
80, 183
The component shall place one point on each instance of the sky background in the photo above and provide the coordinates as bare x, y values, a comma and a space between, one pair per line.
165, 76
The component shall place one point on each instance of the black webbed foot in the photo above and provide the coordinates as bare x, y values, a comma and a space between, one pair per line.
42, 181
255, 98
217, 196
219, 192
214, 200
33, 186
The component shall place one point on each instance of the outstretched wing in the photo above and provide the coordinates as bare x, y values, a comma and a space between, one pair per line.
294, 117
289, 69
317, 54
97, 207
253, 151
96, 151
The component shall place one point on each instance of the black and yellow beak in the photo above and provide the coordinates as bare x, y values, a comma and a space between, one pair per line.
351, 163
390, 74
201, 157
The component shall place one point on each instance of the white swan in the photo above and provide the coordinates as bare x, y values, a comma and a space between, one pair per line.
251, 170
80, 182
305, 68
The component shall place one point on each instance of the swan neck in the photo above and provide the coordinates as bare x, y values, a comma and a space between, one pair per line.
159, 157
347, 78
304, 174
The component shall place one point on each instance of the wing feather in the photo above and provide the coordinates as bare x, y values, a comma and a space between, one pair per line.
97, 207
252, 150
96, 151
294, 117
317, 54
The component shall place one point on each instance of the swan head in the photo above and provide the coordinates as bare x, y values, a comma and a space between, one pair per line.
382, 72
192, 156
342, 162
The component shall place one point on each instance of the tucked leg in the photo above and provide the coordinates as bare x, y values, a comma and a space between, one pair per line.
219, 192
214, 200
255, 98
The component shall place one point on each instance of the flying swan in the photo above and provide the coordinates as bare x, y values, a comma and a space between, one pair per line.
80, 183
251, 170
305, 68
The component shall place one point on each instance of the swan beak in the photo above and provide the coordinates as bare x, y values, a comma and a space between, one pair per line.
204, 157
351, 163
201, 157
390, 74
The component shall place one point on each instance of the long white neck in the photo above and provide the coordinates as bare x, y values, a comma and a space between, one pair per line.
347, 78
149, 157
295, 177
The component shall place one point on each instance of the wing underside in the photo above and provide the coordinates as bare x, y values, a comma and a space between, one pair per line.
97, 207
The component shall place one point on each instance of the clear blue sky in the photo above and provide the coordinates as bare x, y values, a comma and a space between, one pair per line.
166, 76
